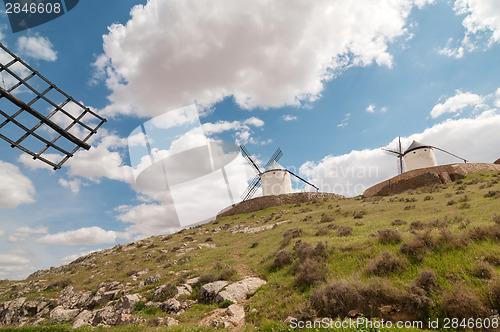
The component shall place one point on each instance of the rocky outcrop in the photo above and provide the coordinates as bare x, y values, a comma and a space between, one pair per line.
238, 291
208, 292
427, 176
61, 315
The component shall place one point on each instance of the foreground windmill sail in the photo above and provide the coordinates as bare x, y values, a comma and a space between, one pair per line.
399, 154
39, 118
274, 180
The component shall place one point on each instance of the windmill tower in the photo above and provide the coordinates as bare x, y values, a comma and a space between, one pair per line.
274, 180
419, 155
399, 154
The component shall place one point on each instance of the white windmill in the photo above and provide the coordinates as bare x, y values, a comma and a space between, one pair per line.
418, 155
275, 179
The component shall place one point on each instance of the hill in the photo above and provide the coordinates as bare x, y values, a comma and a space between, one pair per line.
427, 253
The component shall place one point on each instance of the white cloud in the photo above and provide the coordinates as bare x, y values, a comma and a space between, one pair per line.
68, 259
170, 54
345, 120
2, 232
14, 264
36, 47
482, 17
352, 173
242, 129
457, 103
372, 108
73, 185
21, 234
15, 188
289, 117
86, 235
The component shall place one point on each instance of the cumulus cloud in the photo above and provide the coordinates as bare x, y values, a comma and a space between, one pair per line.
482, 18
2, 232
289, 117
36, 47
73, 185
457, 103
14, 264
170, 54
21, 234
15, 188
86, 236
350, 174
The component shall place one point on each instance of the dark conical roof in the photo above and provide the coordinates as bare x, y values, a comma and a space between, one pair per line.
416, 145
497, 161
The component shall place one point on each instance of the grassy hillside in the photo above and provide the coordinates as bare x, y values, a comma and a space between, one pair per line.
428, 253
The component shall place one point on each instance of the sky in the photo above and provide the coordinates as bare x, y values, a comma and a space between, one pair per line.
327, 82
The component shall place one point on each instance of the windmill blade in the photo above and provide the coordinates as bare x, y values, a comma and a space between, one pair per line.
275, 157
249, 159
298, 177
392, 151
454, 155
252, 188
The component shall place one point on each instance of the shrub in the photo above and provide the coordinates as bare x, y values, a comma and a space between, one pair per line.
428, 198
358, 214
206, 278
326, 218
461, 303
228, 274
139, 306
426, 280
336, 299
452, 202
309, 271
496, 219
389, 236
254, 245
494, 295
491, 194
282, 258
59, 284
289, 234
344, 231
225, 304
164, 293
416, 225
208, 239
492, 259
398, 222
418, 246
322, 231
482, 270
386, 263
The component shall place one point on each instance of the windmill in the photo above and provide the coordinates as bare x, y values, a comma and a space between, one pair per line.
418, 155
399, 153
274, 180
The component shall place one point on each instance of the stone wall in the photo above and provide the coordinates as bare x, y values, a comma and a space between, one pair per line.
427, 176
260, 203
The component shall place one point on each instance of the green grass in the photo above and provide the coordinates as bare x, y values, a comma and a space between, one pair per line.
348, 256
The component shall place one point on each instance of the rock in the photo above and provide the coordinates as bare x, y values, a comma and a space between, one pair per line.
60, 314
192, 281
106, 316
84, 318
237, 292
126, 304
152, 279
208, 292
232, 318
167, 321
171, 305
70, 300
138, 274
164, 291
184, 289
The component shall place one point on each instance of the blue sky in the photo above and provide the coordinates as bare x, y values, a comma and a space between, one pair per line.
328, 83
